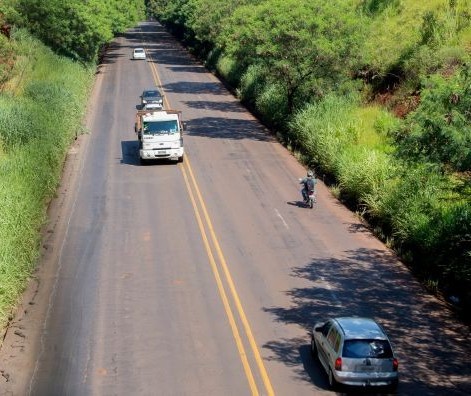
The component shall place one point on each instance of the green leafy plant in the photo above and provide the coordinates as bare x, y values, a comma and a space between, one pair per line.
439, 130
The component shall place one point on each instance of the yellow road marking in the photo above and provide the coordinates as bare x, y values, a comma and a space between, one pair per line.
222, 292
225, 268
156, 76
235, 296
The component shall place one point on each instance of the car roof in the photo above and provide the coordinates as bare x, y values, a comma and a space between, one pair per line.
139, 49
357, 328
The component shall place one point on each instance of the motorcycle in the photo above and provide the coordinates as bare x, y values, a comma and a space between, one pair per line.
310, 199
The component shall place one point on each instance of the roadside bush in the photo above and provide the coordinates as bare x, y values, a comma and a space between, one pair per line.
251, 85
453, 253
373, 7
425, 61
272, 105
439, 131
385, 123
229, 69
413, 203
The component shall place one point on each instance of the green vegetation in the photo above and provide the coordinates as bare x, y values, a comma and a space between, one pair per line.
34, 141
43, 97
375, 94
76, 28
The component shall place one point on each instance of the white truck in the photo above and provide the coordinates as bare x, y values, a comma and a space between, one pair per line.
160, 134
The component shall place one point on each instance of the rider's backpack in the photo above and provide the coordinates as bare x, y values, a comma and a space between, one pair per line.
310, 184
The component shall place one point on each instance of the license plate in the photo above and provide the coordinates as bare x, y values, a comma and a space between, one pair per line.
366, 368
160, 152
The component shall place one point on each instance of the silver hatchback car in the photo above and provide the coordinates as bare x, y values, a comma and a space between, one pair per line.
355, 351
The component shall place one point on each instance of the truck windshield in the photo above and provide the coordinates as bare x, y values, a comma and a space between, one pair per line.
160, 127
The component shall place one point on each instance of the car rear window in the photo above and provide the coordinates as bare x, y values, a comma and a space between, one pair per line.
151, 93
367, 348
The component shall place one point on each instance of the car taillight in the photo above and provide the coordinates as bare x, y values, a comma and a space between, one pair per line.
395, 364
338, 364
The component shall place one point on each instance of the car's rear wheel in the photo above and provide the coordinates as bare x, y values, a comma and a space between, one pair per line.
313, 348
332, 382
393, 387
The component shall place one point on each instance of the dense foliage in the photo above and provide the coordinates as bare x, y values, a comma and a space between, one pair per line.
439, 130
373, 93
304, 49
79, 28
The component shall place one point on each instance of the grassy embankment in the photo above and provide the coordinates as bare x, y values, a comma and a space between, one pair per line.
42, 103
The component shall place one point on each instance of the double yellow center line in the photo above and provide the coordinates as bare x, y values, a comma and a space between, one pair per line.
219, 265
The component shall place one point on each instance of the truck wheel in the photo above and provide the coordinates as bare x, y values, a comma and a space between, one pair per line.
180, 159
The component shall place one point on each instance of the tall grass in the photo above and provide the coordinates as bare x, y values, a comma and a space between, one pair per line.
350, 143
362, 174
38, 120
321, 131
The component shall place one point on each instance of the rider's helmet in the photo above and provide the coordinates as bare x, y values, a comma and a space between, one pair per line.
310, 173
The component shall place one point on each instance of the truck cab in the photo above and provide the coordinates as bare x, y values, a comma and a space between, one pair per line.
160, 134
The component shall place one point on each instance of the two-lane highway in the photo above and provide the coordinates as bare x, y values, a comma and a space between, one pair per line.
203, 278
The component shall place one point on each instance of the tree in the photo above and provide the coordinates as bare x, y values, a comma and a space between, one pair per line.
301, 43
78, 28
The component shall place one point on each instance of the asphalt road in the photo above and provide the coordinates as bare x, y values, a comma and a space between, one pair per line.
204, 278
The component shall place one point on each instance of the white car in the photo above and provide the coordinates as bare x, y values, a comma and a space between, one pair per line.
139, 53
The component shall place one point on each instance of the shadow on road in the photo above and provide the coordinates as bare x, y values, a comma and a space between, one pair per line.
227, 128
195, 88
130, 152
231, 107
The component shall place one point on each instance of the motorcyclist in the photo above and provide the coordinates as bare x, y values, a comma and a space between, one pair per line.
309, 184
